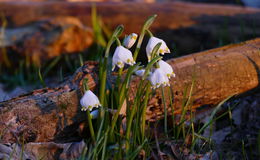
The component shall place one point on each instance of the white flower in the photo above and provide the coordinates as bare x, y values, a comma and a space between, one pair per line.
89, 101
122, 56
140, 72
166, 68
153, 41
94, 114
158, 78
129, 41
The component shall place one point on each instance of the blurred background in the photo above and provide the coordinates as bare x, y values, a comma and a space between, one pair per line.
43, 41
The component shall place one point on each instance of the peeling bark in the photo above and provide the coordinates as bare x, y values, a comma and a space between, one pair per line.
53, 113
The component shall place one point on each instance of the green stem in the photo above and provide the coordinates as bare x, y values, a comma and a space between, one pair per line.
119, 77
146, 26
122, 94
148, 91
114, 120
104, 72
40, 77
139, 43
118, 42
104, 147
92, 133
132, 113
103, 77
165, 112
149, 33
172, 110
103, 82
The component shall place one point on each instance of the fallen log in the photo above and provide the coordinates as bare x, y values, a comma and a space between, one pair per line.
196, 25
54, 113
171, 15
47, 38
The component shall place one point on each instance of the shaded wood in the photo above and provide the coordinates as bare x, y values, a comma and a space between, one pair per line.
189, 26
171, 15
54, 113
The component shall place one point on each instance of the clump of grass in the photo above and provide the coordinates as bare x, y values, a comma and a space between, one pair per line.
117, 136
113, 135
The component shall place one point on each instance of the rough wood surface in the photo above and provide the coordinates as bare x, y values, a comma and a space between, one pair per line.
189, 27
54, 113
47, 38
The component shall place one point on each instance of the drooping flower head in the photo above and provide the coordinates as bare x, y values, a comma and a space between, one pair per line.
89, 101
122, 56
129, 41
153, 41
158, 78
166, 68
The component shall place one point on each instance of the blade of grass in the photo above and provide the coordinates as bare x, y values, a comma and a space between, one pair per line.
40, 77
136, 151
96, 25
2, 39
51, 65
211, 119
105, 145
165, 112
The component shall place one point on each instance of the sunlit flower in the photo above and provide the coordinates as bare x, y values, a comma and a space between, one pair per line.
153, 41
94, 114
129, 41
122, 56
89, 101
166, 68
158, 78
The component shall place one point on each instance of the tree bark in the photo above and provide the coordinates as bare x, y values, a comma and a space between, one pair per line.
54, 113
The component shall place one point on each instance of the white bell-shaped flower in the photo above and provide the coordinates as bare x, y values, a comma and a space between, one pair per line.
122, 56
158, 78
89, 101
153, 41
129, 41
167, 69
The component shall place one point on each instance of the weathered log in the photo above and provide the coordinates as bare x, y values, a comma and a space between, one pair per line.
47, 38
198, 26
171, 15
51, 113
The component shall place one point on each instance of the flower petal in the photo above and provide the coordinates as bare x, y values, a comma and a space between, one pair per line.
130, 40
153, 41
89, 101
158, 78
122, 56
166, 68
